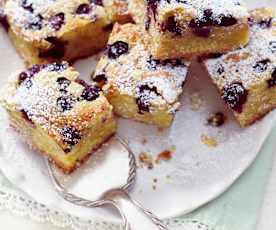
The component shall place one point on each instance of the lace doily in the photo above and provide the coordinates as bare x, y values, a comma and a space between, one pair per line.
18, 203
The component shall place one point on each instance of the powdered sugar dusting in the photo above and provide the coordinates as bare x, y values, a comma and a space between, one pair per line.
25, 14
235, 8
53, 100
248, 65
131, 71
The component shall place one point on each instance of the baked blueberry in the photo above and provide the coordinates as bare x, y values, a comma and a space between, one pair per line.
91, 93
235, 95
117, 49
70, 135
171, 26
65, 102
27, 5
26, 116
97, 2
57, 21
56, 67
83, 9
35, 22
29, 73
63, 84
228, 20
272, 82
3, 20
272, 46
57, 49
261, 66
265, 23
100, 78
220, 69
143, 99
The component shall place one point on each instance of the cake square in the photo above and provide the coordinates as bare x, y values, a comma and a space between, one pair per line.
58, 114
183, 29
139, 87
48, 31
246, 78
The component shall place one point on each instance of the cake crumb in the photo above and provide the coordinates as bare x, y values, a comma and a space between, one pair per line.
144, 141
146, 160
166, 155
196, 101
209, 141
216, 120
160, 129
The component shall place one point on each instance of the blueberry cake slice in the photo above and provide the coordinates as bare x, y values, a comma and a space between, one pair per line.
246, 77
185, 28
51, 30
58, 114
138, 86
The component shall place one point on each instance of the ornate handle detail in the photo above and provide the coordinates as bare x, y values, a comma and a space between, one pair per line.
134, 215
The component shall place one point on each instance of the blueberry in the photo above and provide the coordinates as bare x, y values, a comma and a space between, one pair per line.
152, 6
142, 99
91, 93
56, 51
57, 21
202, 32
216, 119
82, 82
26, 116
171, 25
70, 135
235, 95
272, 82
35, 22
220, 70
265, 23
272, 46
215, 55
261, 66
56, 67
83, 9
28, 74
205, 21
117, 49
27, 5
227, 20
63, 84
97, 2
3, 20
100, 78
65, 102
153, 63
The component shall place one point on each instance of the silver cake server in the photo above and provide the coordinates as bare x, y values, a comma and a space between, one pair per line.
134, 216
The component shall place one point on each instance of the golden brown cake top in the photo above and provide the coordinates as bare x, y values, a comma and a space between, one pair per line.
253, 63
129, 68
38, 19
177, 15
53, 97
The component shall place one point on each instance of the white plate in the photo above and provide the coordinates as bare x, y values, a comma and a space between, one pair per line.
195, 175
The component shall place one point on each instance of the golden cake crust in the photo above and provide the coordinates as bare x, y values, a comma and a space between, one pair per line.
138, 86
46, 31
195, 27
60, 115
246, 77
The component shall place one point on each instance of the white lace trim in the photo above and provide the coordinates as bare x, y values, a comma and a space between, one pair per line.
18, 203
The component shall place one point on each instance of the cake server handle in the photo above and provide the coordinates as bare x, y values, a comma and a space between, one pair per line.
135, 217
